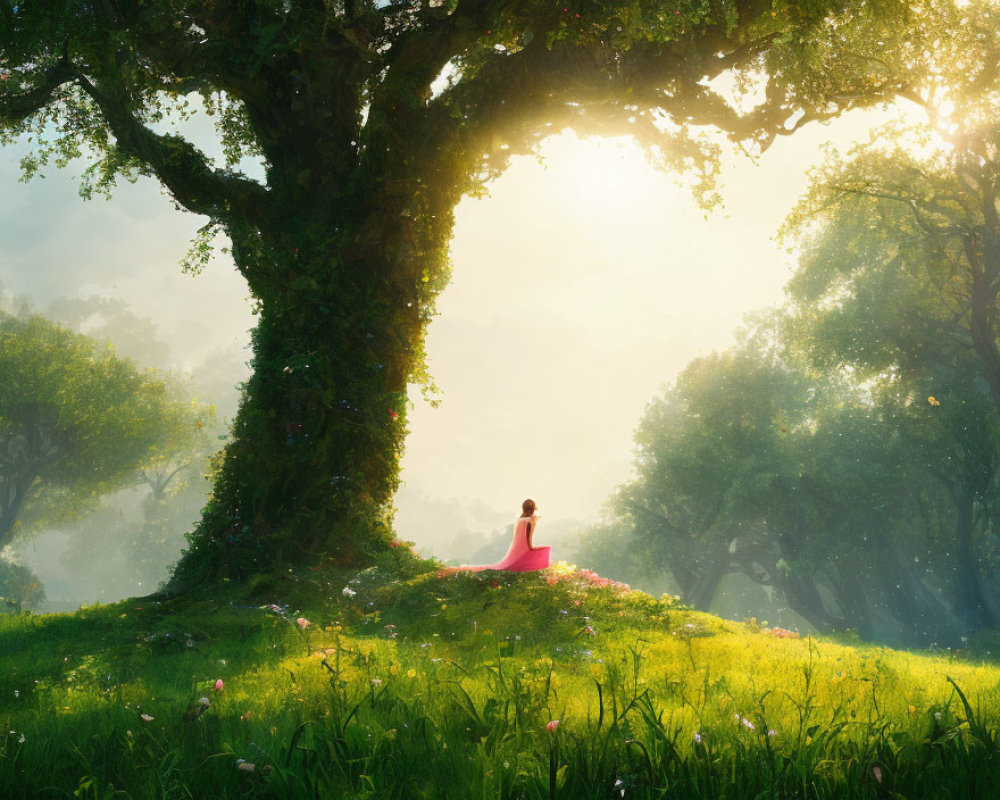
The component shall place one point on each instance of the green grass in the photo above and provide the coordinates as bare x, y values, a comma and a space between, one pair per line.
426, 684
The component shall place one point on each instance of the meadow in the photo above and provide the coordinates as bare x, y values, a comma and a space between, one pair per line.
407, 680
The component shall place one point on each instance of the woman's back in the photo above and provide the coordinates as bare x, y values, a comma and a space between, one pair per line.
521, 556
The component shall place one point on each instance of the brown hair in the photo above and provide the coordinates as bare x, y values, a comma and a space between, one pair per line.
527, 508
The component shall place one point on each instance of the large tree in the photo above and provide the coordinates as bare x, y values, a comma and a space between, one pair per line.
373, 118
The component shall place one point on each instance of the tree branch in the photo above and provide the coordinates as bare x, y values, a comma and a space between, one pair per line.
179, 165
15, 107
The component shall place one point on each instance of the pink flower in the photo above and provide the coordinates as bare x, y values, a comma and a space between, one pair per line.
552, 725
218, 685
302, 622
877, 773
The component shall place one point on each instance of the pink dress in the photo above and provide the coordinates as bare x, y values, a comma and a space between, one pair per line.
519, 558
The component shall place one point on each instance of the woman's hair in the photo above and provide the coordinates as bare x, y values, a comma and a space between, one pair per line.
527, 508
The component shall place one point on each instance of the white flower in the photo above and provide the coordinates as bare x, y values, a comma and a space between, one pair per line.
204, 701
772, 732
376, 682
744, 721
937, 715
146, 718
697, 738
349, 592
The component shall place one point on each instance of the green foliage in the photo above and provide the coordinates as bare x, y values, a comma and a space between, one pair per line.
76, 421
19, 587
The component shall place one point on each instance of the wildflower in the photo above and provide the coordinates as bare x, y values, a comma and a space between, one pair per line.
877, 773
376, 682
146, 718
245, 766
302, 622
772, 732
17, 693
589, 630
937, 715
218, 685
204, 701
697, 738
411, 673
744, 721
552, 725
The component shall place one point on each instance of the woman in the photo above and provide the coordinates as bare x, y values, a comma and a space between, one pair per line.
522, 555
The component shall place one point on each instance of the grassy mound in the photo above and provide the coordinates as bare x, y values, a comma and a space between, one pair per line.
408, 681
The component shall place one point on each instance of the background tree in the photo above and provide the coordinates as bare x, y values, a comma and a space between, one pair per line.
853, 500
75, 422
373, 118
706, 451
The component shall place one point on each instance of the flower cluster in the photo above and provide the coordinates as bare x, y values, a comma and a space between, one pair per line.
782, 633
561, 571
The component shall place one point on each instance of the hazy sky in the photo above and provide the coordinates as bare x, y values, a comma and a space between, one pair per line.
580, 287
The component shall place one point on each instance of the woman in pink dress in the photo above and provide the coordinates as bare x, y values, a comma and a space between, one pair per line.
522, 556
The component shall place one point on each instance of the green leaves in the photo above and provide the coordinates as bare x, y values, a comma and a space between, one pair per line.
75, 421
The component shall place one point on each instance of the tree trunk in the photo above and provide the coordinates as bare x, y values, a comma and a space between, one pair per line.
312, 466
855, 604
803, 596
702, 592
970, 604
981, 323
15, 493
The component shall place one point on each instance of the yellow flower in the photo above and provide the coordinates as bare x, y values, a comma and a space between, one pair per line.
411, 673
394, 669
